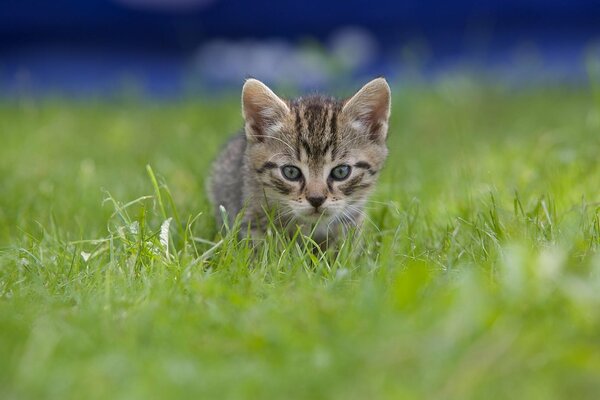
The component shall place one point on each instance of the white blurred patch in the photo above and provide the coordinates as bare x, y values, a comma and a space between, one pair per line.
164, 235
280, 62
134, 227
87, 169
274, 61
85, 255
354, 47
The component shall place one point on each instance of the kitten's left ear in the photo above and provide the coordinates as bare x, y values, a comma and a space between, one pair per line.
369, 109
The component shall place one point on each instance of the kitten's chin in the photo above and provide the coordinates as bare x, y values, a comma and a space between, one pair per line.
310, 216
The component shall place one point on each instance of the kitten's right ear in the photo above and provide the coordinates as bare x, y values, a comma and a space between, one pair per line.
262, 110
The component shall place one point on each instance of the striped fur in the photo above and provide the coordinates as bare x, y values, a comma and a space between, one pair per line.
315, 134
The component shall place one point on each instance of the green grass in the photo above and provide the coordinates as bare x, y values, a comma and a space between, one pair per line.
480, 275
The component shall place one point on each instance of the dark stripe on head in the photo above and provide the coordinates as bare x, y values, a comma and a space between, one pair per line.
333, 122
266, 166
354, 185
326, 148
298, 120
333, 130
279, 186
323, 119
311, 114
298, 125
365, 165
328, 135
306, 146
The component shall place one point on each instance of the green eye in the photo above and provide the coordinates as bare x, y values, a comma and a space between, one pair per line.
340, 172
291, 173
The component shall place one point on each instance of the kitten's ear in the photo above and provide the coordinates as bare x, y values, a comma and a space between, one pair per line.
369, 109
262, 110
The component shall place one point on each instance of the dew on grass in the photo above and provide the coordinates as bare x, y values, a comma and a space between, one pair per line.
164, 235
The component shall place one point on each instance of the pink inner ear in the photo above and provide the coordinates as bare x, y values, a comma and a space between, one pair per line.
375, 131
255, 119
261, 108
374, 115
371, 106
259, 120
380, 110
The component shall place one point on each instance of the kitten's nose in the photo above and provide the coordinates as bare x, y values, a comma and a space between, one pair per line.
316, 201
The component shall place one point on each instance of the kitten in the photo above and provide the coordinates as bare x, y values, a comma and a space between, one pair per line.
305, 164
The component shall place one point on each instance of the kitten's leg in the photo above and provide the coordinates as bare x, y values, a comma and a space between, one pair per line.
255, 237
251, 230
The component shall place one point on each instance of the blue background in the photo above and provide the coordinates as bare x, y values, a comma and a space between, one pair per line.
93, 46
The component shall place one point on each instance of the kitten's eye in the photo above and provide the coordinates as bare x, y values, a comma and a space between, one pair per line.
291, 173
340, 172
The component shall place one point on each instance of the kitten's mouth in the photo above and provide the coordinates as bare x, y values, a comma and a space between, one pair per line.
315, 215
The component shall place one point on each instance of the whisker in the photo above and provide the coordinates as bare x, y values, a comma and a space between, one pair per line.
365, 216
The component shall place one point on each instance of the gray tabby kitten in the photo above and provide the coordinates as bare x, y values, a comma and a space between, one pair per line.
305, 164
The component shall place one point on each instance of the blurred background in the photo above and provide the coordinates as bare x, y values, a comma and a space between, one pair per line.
167, 48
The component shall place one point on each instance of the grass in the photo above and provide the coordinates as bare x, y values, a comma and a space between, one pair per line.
480, 276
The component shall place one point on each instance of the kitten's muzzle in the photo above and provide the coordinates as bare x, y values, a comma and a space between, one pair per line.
317, 201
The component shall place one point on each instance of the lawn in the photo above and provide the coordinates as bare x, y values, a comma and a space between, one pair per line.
479, 275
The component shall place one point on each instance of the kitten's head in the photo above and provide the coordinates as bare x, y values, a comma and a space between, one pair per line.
316, 157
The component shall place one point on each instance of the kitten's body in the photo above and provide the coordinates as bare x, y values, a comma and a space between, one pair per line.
314, 136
